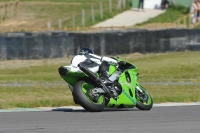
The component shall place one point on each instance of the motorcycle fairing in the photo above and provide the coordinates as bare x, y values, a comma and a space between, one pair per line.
127, 96
72, 74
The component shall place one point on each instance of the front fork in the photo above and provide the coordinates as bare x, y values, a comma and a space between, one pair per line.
141, 94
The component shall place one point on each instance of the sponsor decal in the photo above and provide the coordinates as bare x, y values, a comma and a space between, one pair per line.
129, 97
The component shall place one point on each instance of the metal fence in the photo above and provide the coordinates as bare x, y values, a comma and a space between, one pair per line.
74, 21
188, 21
9, 10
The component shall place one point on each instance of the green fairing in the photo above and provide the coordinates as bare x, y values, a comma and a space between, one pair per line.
72, 77
111, 69
124, 99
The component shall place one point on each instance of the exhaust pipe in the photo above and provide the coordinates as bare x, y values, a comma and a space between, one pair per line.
95, 78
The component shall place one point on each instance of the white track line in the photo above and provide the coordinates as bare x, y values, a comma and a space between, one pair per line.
78, 108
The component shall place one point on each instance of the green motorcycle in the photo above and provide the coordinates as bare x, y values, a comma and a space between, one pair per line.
94, 95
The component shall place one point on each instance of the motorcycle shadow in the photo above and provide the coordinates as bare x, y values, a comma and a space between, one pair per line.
79, 109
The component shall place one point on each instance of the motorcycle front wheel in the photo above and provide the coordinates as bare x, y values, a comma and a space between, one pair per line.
80, 94
144, 100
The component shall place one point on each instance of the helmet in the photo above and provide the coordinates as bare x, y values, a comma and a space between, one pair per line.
83, 51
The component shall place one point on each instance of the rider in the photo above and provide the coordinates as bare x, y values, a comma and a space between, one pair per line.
94, 63
101, 65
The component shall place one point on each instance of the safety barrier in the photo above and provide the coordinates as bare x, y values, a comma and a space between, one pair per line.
61, 44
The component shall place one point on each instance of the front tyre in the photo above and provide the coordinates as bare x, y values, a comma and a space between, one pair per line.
143, 99
80, 93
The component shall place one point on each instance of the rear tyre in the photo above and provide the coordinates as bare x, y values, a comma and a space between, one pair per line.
144, 100
80, 93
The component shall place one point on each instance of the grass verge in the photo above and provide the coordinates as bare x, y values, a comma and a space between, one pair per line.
178, 67
173, 13
36, 14
35, 96
174, 93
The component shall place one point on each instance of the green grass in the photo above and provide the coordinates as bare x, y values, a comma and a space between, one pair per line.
174, 93
35, 96
172, 14
31, 71
197, 27
180, 67
36, 13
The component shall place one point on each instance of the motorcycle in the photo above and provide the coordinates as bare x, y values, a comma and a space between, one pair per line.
94, 95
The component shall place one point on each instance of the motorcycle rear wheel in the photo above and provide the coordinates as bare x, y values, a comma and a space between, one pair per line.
141, 103
80, 94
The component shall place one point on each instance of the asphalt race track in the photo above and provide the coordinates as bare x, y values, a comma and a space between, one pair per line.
181, 119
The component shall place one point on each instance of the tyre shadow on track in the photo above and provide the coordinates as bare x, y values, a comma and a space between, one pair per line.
83, 110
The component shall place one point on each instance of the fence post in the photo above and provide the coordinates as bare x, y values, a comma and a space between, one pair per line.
179, 23
101, 9
49, 25
59, 23
73, 20
6, 6
11, 11
190, 20
195, 14
92, 13
110, 5
124, 4
16, 8
119, 4
184, 21
1, 14
83, 17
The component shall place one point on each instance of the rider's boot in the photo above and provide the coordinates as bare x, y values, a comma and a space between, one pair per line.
105, 78
103, 70
109, 84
